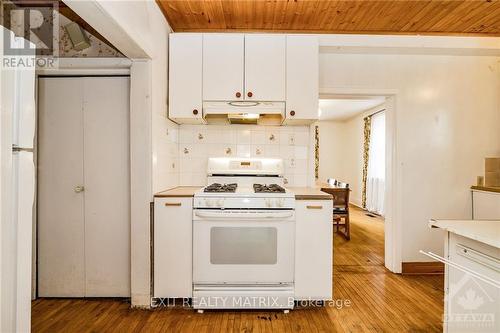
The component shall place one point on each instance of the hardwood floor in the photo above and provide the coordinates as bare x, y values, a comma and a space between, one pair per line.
379, 301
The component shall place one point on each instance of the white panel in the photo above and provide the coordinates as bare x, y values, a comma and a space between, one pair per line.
60, 169
223, 66
486, 205
107, 186
173, 250
265, 57
314, 250
302, 57
185, 77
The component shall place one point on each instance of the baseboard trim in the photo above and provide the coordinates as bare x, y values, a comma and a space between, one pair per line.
422, 268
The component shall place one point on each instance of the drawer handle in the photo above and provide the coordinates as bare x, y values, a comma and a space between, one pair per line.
173, 204
314, 207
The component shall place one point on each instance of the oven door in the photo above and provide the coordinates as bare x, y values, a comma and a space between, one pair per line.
243, 246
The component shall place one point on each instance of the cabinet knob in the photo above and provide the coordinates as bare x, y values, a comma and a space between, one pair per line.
195, 112
238, 94
249, 94
292, 113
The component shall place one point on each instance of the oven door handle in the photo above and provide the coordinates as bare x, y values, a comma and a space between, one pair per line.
246, 215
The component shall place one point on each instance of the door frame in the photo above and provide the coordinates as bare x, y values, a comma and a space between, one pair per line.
393, 222
72, 67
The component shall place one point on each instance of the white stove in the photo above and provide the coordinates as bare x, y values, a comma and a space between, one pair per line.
243, 236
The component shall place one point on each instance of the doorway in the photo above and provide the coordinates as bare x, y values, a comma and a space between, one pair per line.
344, 118
83, 199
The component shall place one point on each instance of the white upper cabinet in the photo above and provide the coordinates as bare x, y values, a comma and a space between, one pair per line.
302, 80
185, 78
223, 67
265, 59
243, 67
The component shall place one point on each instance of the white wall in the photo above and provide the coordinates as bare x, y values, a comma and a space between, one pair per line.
198, 142
341, 152
448, 120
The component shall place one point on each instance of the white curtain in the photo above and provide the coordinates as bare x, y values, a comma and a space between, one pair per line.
375, 182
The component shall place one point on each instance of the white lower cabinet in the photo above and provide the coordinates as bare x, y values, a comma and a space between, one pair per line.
313, 250
485, 205
173, 250
471, 304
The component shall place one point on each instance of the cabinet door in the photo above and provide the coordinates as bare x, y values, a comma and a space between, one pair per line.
223, 59
313, 250
302, 78
185, 83
265, 57
173, 254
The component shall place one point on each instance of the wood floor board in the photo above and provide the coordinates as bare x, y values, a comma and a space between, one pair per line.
380, 301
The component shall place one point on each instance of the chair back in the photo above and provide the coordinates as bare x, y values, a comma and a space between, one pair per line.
341, 198
332, 181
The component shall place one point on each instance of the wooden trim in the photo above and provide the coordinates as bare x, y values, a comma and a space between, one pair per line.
422, 268
486, 188
312, 197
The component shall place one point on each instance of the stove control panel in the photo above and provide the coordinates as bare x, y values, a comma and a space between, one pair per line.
244, 202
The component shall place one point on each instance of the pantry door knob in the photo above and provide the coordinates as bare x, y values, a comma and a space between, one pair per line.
238, 94
79, 189
250, 94
195, 112
292, 113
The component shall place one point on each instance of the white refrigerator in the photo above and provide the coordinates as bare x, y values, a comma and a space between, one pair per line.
18, 194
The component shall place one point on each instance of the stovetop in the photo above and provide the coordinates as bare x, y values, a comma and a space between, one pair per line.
219, 188
272, 188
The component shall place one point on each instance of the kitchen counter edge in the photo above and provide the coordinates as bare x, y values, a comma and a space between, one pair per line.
179, 192
486, 188
484, 231
301, 193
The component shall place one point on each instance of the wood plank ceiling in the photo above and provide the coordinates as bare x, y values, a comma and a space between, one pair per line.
441, 17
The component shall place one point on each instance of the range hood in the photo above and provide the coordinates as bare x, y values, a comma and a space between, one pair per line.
244, 112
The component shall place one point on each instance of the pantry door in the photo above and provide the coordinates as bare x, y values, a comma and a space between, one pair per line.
84, 187
61, 266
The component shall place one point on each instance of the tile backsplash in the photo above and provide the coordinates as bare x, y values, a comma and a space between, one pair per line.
199, 142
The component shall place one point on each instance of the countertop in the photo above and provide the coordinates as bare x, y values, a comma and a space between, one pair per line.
487, 232
309, 193
301, 193
179, 191
486, 188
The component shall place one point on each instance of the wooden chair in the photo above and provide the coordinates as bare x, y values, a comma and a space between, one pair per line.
341, 209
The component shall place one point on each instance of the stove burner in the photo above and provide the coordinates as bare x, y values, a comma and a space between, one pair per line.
272, 188
216, 187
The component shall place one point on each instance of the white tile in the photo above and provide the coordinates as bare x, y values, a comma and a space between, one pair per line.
200, 136
244, 137
300, 180
258, 151
258, 137
273, 136
186, 165
301, 152
301, 138
185, 135
243, 150
273, 151
300, 166
287, 152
